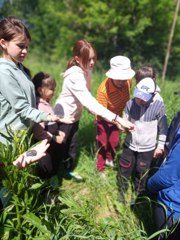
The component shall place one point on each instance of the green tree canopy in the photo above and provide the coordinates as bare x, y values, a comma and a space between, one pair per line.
137, 29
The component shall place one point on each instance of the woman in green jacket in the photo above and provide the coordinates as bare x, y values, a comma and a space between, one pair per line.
17, 95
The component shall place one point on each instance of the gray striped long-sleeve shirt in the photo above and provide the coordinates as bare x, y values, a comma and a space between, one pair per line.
150, 125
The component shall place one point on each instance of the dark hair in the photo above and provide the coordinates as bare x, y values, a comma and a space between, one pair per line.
82, 50
42, 79
11, 26
145, 71
26, 70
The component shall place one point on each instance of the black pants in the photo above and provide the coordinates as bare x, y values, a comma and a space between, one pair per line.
48, 166
66, 152
135, 164
162, 222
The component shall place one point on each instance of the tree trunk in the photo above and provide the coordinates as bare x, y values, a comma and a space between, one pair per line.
170, 40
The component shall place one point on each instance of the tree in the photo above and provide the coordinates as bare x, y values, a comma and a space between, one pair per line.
170, 40
137, 29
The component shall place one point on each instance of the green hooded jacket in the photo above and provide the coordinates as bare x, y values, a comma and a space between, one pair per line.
17, 99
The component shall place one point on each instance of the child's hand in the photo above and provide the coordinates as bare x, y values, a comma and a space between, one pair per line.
124, 125
60, 137
66, 119
158, 153
53, 118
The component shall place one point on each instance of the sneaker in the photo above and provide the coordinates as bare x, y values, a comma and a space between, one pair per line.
75, 176
109, 163
102, 175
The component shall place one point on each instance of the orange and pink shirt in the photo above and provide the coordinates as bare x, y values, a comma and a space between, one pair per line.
112, 97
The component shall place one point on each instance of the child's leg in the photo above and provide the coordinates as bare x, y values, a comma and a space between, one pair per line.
113, 141
67, 150
101, 143
125, 169
144, 160
55, 153
45, 166
71, 148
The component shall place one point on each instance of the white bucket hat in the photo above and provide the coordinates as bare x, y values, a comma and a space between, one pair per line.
145, 89
120, 68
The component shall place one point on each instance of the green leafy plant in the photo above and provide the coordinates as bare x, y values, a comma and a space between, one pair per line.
74, 211
21, 192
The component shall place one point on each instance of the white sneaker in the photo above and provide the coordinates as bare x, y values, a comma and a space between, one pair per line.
109, 163
75, 176
102, 175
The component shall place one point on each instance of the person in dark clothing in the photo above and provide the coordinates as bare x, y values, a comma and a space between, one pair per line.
172, 131
166, 183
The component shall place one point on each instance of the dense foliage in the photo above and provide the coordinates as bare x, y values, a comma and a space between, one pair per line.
137, 29
86, 210
41, 210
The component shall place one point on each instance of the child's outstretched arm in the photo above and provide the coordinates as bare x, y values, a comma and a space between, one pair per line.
65, 119
123, 124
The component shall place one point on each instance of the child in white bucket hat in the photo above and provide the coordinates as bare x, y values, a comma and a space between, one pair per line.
147, 141
120, 68
113, 93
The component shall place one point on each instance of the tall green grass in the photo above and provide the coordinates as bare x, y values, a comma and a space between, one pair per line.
76, 210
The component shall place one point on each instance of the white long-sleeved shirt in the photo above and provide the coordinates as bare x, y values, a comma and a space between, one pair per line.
76, 94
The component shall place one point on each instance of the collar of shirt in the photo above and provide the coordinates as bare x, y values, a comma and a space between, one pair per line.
40, 100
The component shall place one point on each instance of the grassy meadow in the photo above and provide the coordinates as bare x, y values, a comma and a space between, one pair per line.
76, 210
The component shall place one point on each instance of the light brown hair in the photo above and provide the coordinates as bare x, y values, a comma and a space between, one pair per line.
81, 50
